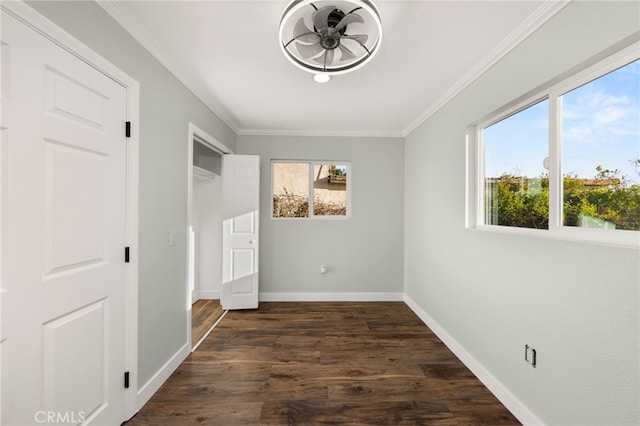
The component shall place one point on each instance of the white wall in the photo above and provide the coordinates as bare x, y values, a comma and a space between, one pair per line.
166, 108
576, 303
207, 215
364, 253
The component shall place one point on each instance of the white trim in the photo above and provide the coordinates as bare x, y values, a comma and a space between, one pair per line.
331, 297
208, 295
196, 133
513, 404
4, 151
545, 12
554, 157
3, 228
136, 30
206, 139
321, 133
148, 389
132, 271
605, 237
60, 37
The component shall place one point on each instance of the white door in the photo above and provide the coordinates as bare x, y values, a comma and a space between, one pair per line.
63, 236
241, 201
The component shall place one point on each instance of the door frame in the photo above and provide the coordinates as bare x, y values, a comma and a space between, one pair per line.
60, 37
203, 137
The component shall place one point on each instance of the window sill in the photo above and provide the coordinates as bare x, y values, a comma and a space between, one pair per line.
313, 218
625, 239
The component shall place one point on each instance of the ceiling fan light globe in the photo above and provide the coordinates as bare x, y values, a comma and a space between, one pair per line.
321, 78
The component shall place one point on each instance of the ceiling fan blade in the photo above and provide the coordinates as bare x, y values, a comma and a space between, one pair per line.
360, 38
348, 19
303, 34
346, 54
321, 18
309, 50
300, 28
329, 57
326, 59
309, 38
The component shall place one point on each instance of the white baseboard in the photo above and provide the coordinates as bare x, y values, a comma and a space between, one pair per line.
331, 297
209, 294
148, 389
509, 400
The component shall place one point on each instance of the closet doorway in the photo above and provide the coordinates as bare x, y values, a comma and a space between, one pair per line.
205, 233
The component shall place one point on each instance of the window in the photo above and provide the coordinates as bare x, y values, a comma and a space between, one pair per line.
516, 184
568, 159
304, 189
601, 151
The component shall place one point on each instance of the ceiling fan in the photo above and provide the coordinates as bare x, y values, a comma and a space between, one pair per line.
329, 37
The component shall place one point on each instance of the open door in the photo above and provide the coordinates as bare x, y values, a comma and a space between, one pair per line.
240, 242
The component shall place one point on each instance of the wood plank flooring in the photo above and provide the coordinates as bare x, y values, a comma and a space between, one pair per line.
204, 313
323, 363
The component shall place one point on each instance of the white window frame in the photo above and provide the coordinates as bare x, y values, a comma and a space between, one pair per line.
475, 169
311, 164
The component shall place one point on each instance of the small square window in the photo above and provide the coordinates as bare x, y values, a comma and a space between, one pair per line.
310, 189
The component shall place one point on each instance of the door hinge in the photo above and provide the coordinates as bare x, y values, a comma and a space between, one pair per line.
126, 254
127, 129
126, 380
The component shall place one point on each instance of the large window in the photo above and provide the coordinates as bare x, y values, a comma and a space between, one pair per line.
306, 189
568, 159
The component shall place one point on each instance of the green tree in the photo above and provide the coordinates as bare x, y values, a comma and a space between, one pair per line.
519, 201
524, 202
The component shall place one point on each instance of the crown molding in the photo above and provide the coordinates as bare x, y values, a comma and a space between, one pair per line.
545, 12
322, 133
137, 31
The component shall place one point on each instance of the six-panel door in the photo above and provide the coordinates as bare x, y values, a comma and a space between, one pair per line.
63, 235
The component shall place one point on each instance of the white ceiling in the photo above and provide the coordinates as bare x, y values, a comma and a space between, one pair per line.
228, 54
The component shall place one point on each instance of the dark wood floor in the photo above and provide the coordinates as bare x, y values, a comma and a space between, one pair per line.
319, 363
204, 313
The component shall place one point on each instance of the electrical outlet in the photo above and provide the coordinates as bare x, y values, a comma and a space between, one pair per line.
323, 269
530, 355
172, 238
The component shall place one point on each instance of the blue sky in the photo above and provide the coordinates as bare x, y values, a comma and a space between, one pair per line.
601, 126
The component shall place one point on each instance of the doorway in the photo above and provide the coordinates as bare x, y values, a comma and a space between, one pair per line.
205, 233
